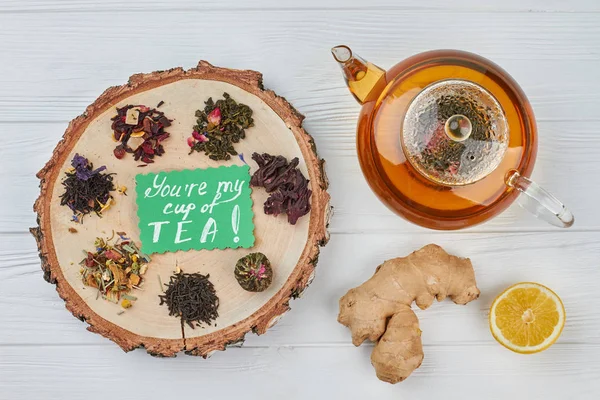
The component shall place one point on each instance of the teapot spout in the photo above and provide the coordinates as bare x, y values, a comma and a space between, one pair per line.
364, 79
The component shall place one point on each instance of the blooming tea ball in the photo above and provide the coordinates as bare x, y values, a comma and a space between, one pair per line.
253, 272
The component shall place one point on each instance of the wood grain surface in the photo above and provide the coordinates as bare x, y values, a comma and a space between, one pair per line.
58, 56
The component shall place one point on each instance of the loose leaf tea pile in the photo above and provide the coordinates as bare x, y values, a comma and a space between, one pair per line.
253, 272
143, 125
86, 189
437, 143
114, 269
191, 297
219, 126
286, 183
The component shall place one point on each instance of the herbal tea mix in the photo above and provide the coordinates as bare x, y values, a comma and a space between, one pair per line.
115, 268
216, 243
141, 127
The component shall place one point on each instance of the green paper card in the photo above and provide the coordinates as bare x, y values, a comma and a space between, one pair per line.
195, 209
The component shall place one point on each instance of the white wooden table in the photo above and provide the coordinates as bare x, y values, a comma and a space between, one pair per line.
58, 56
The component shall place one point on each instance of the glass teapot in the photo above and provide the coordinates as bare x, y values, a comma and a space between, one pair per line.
446, 139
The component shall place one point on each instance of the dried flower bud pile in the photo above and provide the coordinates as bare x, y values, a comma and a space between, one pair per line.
253, 272
144, 125
219, 126
286, 183
114, 269
86, 189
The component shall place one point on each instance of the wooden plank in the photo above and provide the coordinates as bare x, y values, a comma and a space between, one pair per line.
565, 166
453, 372
54, 72
566, 262
13, 6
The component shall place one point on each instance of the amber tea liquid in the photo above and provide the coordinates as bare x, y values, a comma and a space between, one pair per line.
464, 181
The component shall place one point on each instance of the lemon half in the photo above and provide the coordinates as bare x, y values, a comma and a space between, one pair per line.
527, 318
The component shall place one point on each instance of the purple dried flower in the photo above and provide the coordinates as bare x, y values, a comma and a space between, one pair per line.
269, 168
79, 161
83, 169
289, 189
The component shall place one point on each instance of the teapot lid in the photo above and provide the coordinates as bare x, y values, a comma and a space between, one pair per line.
455, 132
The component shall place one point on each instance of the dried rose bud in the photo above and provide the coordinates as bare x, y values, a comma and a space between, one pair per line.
191, 142
119, 151
201, 137
214, 117
197, 135
253, 272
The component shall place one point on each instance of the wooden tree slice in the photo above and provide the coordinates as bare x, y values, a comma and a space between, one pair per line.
293, 250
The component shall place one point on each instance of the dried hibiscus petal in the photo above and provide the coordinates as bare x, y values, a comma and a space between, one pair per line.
147, 147
112, 255
300, 206
275, 204
162, 137
268, 169
289, 189
164, 121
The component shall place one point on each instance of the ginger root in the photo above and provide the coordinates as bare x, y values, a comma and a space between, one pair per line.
380, 309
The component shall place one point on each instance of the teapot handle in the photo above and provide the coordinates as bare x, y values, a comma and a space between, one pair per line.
539, 202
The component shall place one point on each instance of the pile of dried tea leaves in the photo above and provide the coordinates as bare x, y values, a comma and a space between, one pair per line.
253, 272
192, 297
86, 189
143, 125
441, 153
114, 269
219, 126
286, 184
